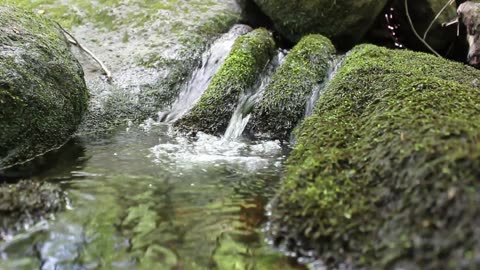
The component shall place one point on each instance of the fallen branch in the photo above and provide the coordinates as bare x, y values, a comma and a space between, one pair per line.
75, 42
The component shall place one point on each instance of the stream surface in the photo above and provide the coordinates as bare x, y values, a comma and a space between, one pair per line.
143, 198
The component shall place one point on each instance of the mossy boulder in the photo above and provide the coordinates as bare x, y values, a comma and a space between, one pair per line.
284, 101
240, 71
385, 173
43, 95
345, 22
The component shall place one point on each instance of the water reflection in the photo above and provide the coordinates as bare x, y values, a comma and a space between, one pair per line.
61, 161
153, 200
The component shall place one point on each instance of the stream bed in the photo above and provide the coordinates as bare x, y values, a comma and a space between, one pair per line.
144, 198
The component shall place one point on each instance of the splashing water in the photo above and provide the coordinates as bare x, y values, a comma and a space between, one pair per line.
212, 60
249, 98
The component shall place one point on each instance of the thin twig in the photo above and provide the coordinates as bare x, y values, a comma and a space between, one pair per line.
416, 33
75, 42
436, 18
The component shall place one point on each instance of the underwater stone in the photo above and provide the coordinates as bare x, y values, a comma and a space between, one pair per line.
249, 56
27, 202
384, 174
345, 22
284, 101
43, 95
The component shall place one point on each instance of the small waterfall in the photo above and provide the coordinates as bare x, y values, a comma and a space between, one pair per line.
317, 91
212, 60
249, 98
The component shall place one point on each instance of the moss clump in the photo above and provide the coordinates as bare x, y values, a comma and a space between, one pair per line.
284, 100
345, 22
249, 56
42, 92
386, 172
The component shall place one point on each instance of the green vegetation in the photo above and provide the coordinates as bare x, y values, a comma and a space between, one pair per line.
241, 70
285, 98
42, 92
385, 173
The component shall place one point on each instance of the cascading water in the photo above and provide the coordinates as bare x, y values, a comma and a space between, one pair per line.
212, 60
317, 91
247, 100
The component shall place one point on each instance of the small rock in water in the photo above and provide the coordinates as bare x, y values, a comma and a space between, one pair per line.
26, 202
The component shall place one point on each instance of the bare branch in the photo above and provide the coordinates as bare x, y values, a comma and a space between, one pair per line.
416, 33
436, 18
75, 42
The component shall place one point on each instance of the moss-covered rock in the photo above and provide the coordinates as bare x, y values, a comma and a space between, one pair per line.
248, 58
284, 101
42, 91
345, 22
27, 202
385, 173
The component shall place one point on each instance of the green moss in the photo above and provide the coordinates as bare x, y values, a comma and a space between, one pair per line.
342, 21
249, 56
42, 91
284, 100
386, 172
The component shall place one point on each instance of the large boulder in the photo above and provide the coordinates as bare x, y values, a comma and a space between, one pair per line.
240, 72
385, 173
285, 98
43, 95
345, 22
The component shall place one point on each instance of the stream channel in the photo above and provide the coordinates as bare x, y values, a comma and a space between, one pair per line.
143, 197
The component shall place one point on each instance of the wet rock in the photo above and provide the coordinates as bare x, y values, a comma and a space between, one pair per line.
43, 95
26, 202
385, 173
284, 101
241, 70
345, 22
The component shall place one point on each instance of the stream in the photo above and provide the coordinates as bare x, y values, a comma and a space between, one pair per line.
143, 197
147, 199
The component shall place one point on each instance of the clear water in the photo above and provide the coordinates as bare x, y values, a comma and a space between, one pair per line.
149, 199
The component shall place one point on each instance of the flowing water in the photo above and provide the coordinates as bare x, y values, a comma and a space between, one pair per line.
212, 60
248, 99
155, 200
317, 91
